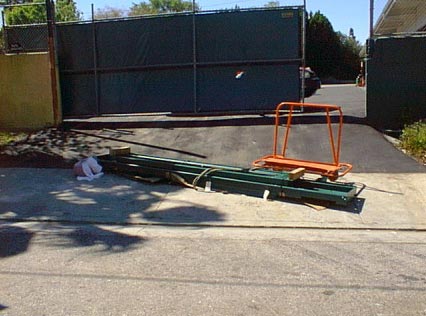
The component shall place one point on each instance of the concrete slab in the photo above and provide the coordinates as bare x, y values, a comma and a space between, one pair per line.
388, 202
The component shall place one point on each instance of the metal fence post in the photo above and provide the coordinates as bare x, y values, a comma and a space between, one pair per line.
50, 12
194, 57
4, 39
303, 52
95, 62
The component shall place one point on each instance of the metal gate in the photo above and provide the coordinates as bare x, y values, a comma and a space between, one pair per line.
203, 62
182, 63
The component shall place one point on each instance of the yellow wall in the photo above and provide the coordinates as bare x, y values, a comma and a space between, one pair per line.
25, 92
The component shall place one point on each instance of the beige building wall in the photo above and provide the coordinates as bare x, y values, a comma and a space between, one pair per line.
25, 92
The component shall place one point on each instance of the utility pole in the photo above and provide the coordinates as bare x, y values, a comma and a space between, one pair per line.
371, 18
302, 72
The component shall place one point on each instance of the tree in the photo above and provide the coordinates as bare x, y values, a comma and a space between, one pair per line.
322, 45
330, 53
351, 56
141, 9
162, 6
26, 14
350, 42
109, 13
272, 4
14, 1
66, 10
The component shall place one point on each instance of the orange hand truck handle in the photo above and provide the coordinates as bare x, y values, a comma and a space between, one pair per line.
348, 167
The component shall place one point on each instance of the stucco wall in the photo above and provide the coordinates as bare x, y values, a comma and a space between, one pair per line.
25, 92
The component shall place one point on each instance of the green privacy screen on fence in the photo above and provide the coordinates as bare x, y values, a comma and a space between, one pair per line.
240, 61
396, 86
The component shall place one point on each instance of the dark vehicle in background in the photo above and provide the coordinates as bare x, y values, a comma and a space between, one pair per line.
312, 81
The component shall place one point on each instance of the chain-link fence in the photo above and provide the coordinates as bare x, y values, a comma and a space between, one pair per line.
24, 28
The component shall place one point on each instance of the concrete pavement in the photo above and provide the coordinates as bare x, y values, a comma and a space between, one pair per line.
78, 270
389, 201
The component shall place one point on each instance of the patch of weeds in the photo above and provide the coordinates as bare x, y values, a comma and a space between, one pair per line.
413, 140
7, 137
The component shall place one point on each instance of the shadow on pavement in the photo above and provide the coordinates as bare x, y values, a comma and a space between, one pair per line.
184, 215
129, 142
354, 207
55, 196
49, 148
14, 241
196, 122
88, 236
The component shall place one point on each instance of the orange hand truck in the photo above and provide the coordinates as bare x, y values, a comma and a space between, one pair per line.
332, 170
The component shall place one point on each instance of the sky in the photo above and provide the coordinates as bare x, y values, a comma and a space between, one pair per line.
343, 14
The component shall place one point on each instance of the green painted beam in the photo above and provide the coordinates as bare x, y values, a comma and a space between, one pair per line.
230, 179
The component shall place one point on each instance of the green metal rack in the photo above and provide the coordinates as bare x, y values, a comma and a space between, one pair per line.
253, 182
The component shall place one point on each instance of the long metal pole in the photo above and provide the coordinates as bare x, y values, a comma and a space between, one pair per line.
194, 57
50, 12
371, 18
303, 51
95, 62
4, 39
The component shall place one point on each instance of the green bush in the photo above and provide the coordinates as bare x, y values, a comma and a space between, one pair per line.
7, 138
413, 140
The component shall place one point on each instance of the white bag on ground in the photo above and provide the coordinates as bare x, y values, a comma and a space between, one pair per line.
88, 169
